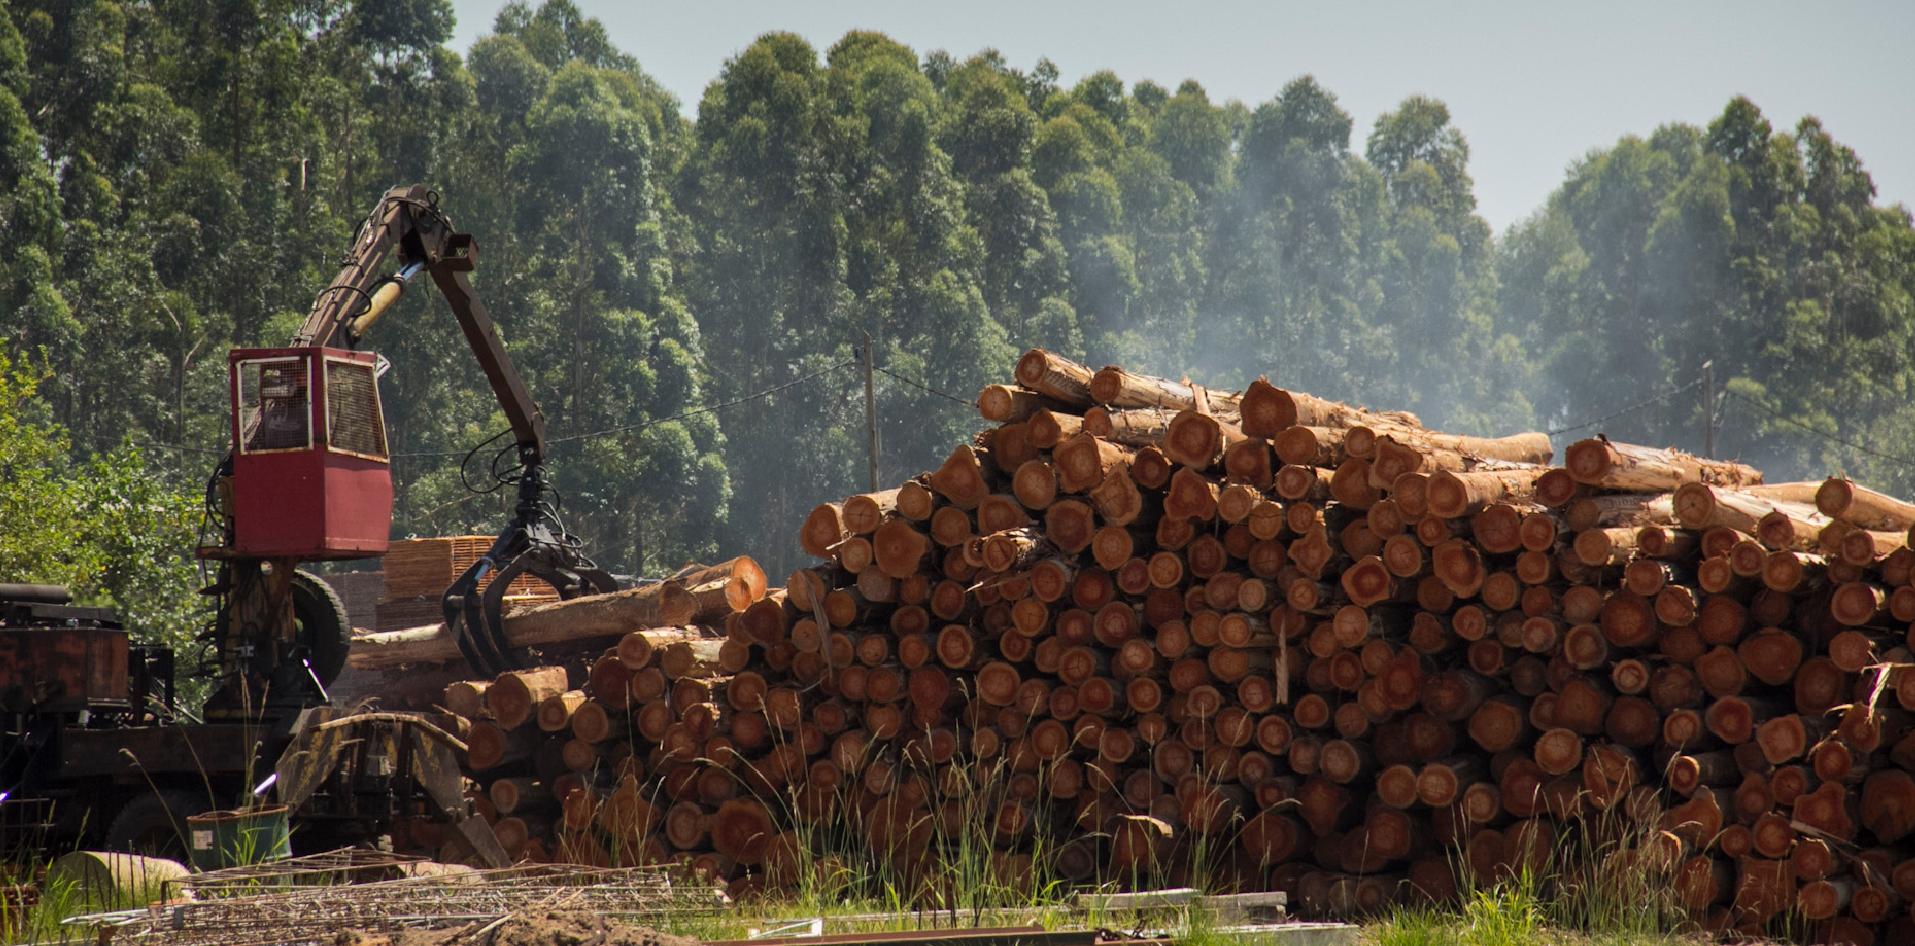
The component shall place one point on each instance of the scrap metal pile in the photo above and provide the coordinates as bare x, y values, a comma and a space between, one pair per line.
1139, 625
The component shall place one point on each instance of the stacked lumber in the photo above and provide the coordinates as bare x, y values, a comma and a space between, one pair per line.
418, 571
360, 592
1323, 648
424, 567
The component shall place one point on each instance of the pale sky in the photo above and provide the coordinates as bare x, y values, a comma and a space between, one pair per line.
1533, 86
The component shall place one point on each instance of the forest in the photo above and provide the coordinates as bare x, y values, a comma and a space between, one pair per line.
688, 286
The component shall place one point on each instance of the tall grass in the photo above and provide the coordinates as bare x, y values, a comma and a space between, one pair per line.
959, 853
979, 850
33, 913
1616, 873
1608, 877
35, 902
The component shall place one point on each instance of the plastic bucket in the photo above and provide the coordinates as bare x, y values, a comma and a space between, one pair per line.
234, 838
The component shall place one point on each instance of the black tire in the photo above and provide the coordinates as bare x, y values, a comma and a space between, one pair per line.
154, 823
324, 630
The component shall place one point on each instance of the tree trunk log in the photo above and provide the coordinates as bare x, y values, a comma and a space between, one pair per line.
1267, 410
1083, 462
489, 745
515, 695
961, 478
1198, 440
1850, 502
1116, 387
555, 711
576, 621
1049, 428
1625, 466
1055, 377
1003, 404
1454, 495
467, 698
1700, 507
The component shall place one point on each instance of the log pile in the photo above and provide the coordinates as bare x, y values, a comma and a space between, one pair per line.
1323, 648
409, 668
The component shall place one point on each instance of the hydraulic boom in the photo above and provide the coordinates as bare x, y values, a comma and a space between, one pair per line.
308, 477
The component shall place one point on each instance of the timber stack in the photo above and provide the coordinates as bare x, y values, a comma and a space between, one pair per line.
1322, 648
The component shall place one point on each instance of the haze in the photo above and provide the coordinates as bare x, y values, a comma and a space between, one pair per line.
1532, 88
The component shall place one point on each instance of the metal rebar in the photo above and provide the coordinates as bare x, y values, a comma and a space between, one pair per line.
298, 915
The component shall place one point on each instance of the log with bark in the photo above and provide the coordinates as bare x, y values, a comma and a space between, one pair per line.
574, 622
1623, 466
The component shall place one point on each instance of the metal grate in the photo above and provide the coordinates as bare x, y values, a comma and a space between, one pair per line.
352, 409
316, 915
327, 869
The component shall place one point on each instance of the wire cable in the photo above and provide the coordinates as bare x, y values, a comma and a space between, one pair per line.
466, 461
921, 386
624, 428
209, 451
462, 451
1825, 435
1639, 405
468, 452
706, 409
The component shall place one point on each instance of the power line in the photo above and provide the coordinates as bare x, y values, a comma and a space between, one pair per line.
693, 412
175, 446
1639, 405
921, 386
708, 408
444, 453
1825, 435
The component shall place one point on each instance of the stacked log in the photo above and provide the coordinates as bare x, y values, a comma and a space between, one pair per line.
1323, 648
410, 668
607, 763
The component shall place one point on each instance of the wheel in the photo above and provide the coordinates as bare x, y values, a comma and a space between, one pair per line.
324, 631
154, 823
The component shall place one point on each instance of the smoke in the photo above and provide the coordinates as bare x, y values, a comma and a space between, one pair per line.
1361, 277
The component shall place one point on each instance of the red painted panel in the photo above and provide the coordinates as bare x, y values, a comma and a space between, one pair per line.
62, 669
358, 504
307, 502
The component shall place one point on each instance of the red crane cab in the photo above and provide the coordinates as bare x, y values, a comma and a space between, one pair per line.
311, 477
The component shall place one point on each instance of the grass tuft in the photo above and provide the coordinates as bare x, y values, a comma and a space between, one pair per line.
1606, 879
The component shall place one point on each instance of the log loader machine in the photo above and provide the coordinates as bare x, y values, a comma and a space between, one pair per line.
92, 747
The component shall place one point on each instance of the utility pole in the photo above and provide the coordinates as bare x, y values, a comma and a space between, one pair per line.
1709, 408
870, 418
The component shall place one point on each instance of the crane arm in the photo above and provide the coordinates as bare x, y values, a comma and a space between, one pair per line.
408, 224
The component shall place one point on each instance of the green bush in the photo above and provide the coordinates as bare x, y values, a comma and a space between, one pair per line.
112, 527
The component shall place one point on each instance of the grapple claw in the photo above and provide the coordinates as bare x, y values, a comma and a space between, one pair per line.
478, 616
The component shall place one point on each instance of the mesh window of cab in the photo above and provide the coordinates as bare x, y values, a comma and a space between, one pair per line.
353, 424
274, 413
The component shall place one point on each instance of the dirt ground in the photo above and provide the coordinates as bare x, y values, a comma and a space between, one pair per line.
552, 928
